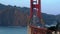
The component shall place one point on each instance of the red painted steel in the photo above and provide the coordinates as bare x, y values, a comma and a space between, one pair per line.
35, 30
37, 6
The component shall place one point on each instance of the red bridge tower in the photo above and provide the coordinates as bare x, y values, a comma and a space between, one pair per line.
36, 4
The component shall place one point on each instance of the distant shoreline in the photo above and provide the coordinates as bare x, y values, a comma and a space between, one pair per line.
14, 26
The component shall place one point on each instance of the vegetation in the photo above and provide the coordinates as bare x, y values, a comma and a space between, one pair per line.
17, 16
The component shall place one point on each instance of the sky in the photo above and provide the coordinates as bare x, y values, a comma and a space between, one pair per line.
47, 6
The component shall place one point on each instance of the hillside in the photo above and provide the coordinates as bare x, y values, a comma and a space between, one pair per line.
17, 16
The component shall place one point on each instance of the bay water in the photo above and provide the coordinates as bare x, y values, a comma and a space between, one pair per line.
13, 30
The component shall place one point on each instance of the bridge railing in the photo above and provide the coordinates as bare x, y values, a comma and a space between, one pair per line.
35, 30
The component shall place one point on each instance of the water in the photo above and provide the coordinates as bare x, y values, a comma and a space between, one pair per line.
13, 30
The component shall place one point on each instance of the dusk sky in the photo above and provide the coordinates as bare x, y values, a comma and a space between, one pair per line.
48, 6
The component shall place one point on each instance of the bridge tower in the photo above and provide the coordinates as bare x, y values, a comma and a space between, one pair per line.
35, 12
35, 15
